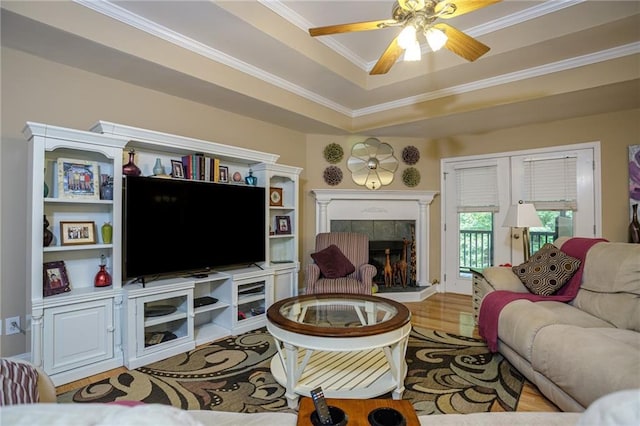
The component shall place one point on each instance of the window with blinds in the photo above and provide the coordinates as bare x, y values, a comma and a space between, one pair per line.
551, 184
477, 189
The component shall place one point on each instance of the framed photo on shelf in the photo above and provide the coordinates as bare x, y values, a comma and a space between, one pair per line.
283, 225
55, 279
78, 179
177, 169
275, 197
224, 174
72, 233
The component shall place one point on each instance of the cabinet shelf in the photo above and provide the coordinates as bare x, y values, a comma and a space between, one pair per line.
209, 308
77, 247
150, 322
81, 201
281, 236
242, 300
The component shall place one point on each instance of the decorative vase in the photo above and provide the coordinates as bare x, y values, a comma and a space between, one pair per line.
106, 192
46, 190
107, 233
251, 179
158, 168
634, 226
102, 279
48, 235
130, 169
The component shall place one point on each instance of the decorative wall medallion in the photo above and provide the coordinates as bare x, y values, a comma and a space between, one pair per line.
411, 177
332, 175
410, 155
372, 163
333, 153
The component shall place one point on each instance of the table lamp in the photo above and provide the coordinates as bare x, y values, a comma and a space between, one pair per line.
522, 215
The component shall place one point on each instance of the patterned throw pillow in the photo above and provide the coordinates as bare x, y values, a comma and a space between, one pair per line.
18, 383
333, 263
547, 270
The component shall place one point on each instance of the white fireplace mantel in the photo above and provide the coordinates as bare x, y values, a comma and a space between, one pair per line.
348, 204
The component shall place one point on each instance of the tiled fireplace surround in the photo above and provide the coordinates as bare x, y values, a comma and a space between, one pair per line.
384, 215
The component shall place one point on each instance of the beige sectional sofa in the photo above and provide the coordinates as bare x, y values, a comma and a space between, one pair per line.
576, 352
618, 409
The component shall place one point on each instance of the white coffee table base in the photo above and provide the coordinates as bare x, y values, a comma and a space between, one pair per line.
342, 374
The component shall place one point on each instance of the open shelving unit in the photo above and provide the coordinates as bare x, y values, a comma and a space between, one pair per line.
89, 329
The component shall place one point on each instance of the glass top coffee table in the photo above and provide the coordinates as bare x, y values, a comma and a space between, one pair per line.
351, 345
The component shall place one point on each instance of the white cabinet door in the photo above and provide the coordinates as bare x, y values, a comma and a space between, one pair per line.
285, 284
77, 335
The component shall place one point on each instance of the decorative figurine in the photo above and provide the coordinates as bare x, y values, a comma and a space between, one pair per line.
48, 235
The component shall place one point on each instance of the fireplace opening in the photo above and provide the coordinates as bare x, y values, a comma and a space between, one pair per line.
397, 236
396, 271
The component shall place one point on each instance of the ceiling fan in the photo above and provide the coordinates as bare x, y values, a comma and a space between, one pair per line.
418, 17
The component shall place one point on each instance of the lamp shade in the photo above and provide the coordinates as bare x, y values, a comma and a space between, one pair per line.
522, 215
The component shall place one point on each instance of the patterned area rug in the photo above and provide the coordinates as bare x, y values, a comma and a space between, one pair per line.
446, 374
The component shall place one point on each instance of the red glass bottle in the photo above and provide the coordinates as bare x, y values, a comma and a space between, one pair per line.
102, 279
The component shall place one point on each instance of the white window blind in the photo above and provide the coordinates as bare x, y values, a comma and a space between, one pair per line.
551, 184
477, 189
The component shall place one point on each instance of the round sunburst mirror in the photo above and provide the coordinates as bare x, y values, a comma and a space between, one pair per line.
372, 163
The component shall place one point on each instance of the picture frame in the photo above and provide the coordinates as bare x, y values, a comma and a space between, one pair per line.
78, 179
224, 174
283, 225
55, 279
76, 233
275, 197
177, 169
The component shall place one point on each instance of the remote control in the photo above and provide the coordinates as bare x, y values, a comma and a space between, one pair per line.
321, 406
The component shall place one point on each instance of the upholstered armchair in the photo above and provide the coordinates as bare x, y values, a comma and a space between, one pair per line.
341, 264
23, 383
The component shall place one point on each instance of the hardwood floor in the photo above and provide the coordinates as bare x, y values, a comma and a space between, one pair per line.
448, 312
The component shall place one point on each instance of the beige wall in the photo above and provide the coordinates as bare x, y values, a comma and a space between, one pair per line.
614, 131
42, 91
37, 90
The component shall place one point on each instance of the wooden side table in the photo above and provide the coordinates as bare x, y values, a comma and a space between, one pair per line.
479, 285
357, 410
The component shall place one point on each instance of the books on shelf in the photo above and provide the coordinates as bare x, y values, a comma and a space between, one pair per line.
201, 167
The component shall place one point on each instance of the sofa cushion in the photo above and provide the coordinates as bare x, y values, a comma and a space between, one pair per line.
587, 363
502, 278
547, 270
611, 284
94, 414
520, 321
332, 262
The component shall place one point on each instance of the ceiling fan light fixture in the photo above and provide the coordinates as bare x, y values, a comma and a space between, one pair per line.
407, 36
413, 53
436, 38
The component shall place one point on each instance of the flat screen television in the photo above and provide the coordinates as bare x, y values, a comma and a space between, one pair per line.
173, 226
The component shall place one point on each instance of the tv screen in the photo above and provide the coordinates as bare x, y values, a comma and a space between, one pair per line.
175, 226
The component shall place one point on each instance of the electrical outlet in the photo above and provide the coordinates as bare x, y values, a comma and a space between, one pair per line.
9, 326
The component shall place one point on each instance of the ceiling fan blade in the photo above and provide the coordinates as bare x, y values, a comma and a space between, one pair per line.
461, 7
388, 58
462, 44
348, 28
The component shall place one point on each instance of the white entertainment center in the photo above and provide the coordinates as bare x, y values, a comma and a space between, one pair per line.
89, 329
